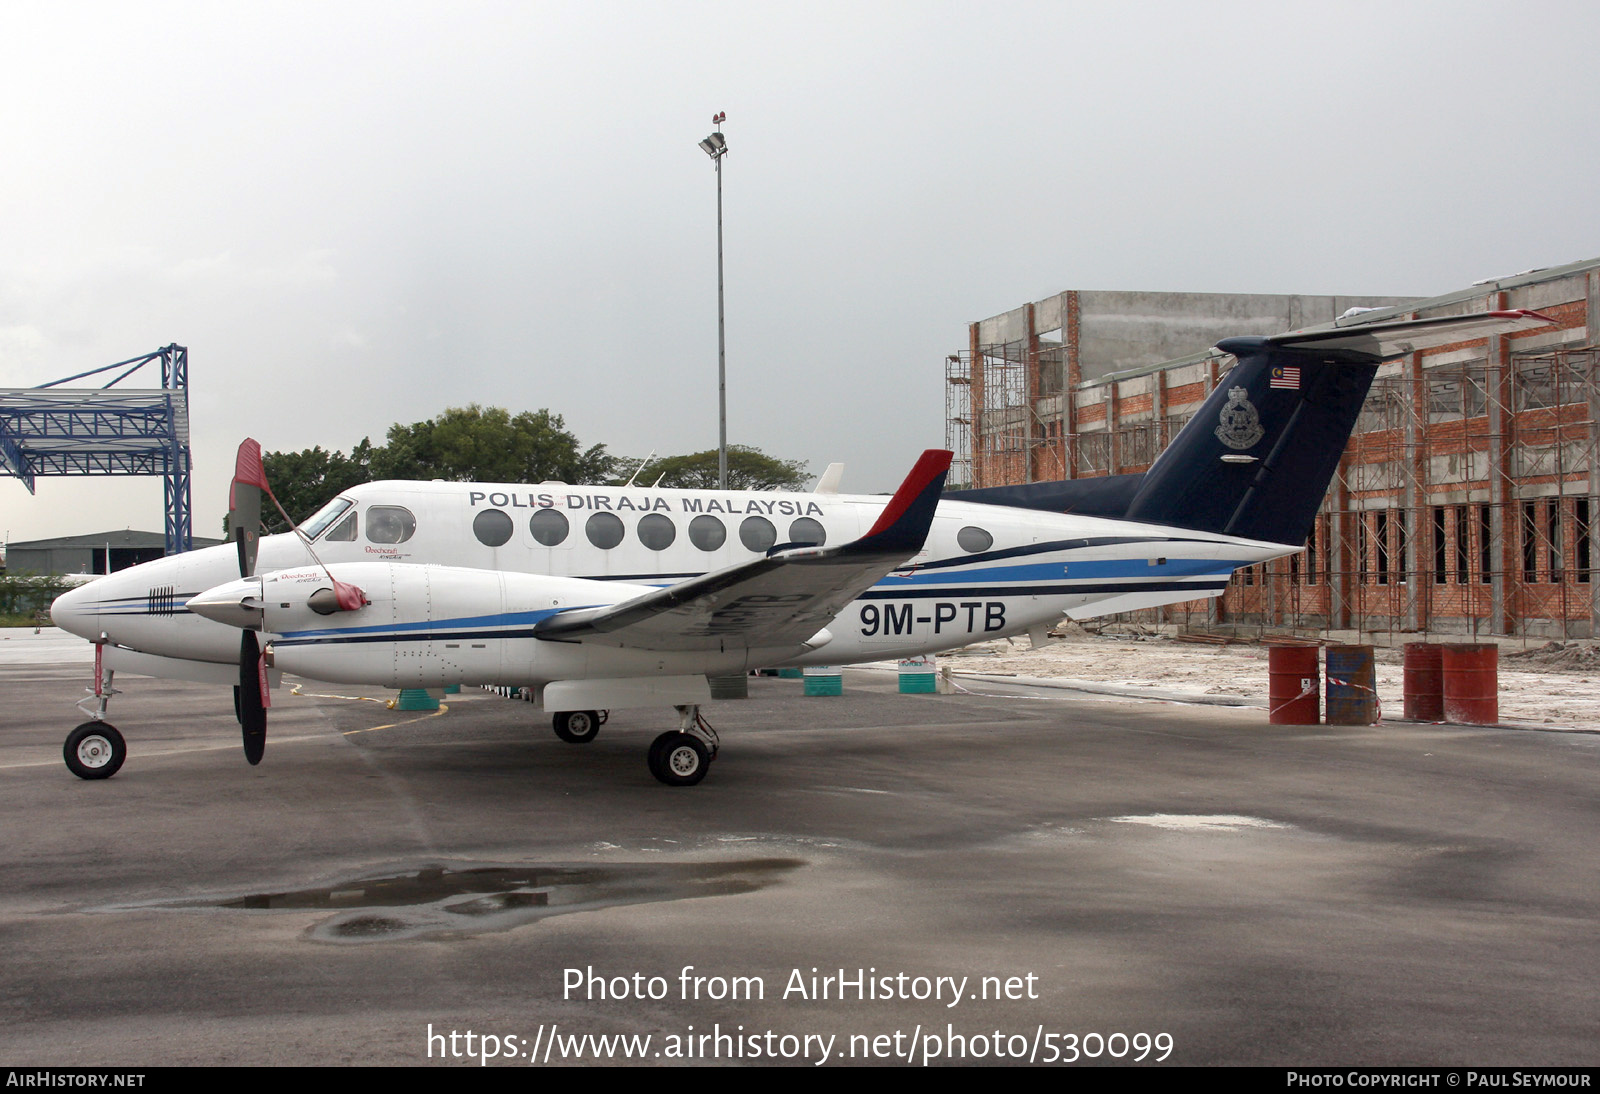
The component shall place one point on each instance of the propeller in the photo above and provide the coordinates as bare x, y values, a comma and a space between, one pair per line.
251, 696
244, 608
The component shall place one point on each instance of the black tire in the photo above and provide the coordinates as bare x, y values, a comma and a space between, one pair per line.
95, 750
679, 759
577, 727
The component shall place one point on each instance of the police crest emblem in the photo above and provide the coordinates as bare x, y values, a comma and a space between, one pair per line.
1239, 425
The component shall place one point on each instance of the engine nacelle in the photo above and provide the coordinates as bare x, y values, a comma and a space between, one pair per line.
428, 626
423, 626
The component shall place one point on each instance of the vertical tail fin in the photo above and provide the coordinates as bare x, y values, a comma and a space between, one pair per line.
1257, 457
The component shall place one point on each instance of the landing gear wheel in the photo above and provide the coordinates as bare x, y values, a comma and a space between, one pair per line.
679, 759
578, 727
95, 750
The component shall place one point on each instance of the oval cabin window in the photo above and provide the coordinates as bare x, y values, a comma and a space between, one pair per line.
604, 530
492, 527
549, 527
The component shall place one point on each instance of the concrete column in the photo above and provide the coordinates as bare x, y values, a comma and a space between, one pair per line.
1592, 378
1502, 519
1030, 394
1158, 414
1340, 549
1420, 578
1071, 325
975, 374
1113, 458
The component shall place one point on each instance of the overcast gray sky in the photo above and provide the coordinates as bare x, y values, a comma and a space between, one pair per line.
361, 213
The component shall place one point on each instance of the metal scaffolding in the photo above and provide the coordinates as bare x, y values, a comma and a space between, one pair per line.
1465, 502
52, 430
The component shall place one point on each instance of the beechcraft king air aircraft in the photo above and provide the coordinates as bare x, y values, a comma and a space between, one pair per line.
606, 597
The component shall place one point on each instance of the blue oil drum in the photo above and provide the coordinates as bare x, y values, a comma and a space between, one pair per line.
1352, 686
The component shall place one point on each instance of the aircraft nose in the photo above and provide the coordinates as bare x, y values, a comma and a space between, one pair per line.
77, 611
236, 603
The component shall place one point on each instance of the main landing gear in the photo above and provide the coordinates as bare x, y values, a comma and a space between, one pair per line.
95, 750
579, 727
681, 757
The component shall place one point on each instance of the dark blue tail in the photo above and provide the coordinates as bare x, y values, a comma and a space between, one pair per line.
1254, 461
1257, 457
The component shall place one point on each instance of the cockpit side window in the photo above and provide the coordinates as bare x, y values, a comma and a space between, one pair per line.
390, 524
324, 517
344, 532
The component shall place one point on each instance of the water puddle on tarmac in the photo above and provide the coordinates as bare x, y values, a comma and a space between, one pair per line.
1189, 822
437, 901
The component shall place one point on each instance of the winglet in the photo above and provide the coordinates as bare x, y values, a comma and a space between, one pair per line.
903, 525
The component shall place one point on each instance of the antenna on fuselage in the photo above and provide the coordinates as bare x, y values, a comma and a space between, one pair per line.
640, 468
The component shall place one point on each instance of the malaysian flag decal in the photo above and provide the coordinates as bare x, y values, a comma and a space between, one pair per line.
1287, 377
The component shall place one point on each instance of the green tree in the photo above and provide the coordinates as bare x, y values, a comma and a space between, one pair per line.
748, 469
24, 597
488, 444
304, 482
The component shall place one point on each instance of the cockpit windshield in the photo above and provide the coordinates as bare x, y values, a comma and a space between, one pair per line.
324, 517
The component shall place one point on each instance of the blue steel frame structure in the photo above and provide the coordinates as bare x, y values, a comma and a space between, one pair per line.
110, 430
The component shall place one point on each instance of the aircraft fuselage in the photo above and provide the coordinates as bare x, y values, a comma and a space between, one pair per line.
457, 575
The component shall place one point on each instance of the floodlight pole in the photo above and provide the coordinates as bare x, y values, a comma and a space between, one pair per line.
716, 147
722, 354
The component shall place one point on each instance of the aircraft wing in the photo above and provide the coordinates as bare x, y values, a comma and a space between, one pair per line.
781, 600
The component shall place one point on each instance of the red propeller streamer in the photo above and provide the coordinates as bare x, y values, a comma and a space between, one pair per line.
249, 470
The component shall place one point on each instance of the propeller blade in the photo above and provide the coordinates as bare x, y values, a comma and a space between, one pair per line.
252, 698
244, 504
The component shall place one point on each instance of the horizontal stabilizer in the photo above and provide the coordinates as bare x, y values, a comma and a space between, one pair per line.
1396, 339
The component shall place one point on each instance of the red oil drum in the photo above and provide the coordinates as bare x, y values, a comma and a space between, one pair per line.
1352, 686
1294, 683
1424, 682
1472, 683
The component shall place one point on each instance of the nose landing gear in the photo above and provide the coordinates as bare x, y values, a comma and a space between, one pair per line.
95, 750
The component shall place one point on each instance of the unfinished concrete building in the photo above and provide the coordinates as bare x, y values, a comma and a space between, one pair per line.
1464, 503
